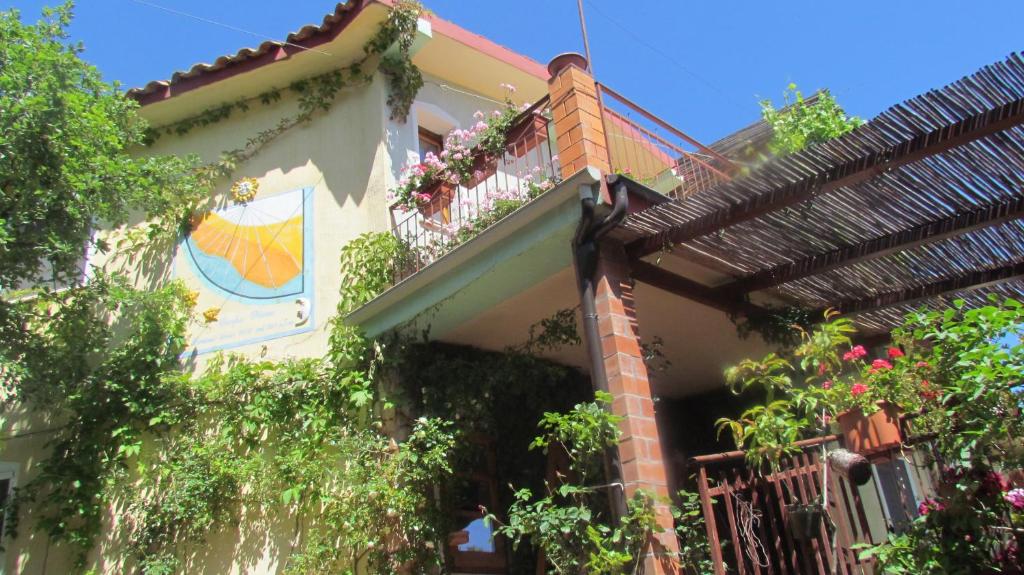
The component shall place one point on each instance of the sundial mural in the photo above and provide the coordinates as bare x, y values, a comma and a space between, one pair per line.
253, 260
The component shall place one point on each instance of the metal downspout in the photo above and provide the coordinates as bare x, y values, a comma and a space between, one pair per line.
585, 255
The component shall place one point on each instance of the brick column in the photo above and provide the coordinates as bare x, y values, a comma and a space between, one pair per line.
576, 115
640, 449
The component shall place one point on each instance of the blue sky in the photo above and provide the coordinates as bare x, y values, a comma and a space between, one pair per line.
701, 65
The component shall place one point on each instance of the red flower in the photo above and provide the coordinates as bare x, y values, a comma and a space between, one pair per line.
895, 352
929, 505
856, 352
927, 393
827, 384
993, 483
857, 389
921, 364
822, 368
879, 365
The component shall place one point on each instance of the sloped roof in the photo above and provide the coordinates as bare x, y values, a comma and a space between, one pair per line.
307, 37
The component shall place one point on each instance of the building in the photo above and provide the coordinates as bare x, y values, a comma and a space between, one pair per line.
620, 186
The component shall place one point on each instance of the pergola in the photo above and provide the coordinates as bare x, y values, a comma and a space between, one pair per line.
919, 206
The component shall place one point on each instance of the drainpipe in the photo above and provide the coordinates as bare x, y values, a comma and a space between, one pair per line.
585, 254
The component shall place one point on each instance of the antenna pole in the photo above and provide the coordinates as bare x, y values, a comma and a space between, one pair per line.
586, 39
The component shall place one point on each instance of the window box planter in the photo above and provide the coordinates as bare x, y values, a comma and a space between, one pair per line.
874, 433
441, 195
528, 135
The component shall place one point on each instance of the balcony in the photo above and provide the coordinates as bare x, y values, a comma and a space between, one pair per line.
449, 213
654, 153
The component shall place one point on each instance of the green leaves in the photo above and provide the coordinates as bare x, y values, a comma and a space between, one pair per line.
584, 432
799, 124
65, 137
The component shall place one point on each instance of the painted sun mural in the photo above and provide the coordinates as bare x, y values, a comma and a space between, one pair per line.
253, 251
252, 261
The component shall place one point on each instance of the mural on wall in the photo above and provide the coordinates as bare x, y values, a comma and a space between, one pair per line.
252, 261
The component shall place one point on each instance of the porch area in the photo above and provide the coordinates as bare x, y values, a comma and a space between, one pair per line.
676, 263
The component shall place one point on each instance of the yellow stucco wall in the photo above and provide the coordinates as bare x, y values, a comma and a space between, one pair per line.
348, 157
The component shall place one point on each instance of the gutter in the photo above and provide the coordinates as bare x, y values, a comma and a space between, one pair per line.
586, 248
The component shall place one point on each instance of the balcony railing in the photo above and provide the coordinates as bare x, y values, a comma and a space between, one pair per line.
653, 152
499, 186
640, 144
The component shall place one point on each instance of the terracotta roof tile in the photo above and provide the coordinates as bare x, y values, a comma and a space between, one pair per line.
332, 23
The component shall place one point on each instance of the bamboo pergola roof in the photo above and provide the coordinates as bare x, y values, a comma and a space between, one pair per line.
920, 205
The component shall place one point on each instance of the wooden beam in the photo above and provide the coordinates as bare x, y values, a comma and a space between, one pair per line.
927, 233
845, 174
663, 279
967, 282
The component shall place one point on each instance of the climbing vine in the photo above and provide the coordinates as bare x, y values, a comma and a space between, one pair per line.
308, 441
328, 446
315, 95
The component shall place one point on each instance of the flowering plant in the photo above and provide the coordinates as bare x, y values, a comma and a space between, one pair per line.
844, 377
476, 215
961, 370
454, 164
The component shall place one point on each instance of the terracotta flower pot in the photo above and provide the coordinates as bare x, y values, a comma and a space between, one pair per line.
563, 61
869, 434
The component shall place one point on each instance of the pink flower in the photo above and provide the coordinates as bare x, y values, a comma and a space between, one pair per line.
1015, 497
827, 384
858, 389
880, 364
478, 115
856, 352
921, 364
822, 368
554, 158
895, 352
508, 88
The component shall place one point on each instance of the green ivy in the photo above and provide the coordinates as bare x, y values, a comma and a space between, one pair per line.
315, 95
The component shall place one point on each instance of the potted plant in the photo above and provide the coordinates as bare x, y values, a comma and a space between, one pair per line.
832, 385
804, 520
871, 433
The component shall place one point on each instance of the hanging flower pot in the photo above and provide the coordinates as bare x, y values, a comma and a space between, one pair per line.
804, 521
873, 433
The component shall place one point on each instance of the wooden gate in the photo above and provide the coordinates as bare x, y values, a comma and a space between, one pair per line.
748, 515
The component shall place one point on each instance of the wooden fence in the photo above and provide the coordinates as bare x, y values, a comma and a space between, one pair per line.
749, 515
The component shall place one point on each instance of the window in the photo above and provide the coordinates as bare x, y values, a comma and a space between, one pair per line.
474, 548
897, 492
8, 473
430, 143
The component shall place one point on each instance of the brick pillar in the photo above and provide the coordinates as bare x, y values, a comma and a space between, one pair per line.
576, 115
640, 449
